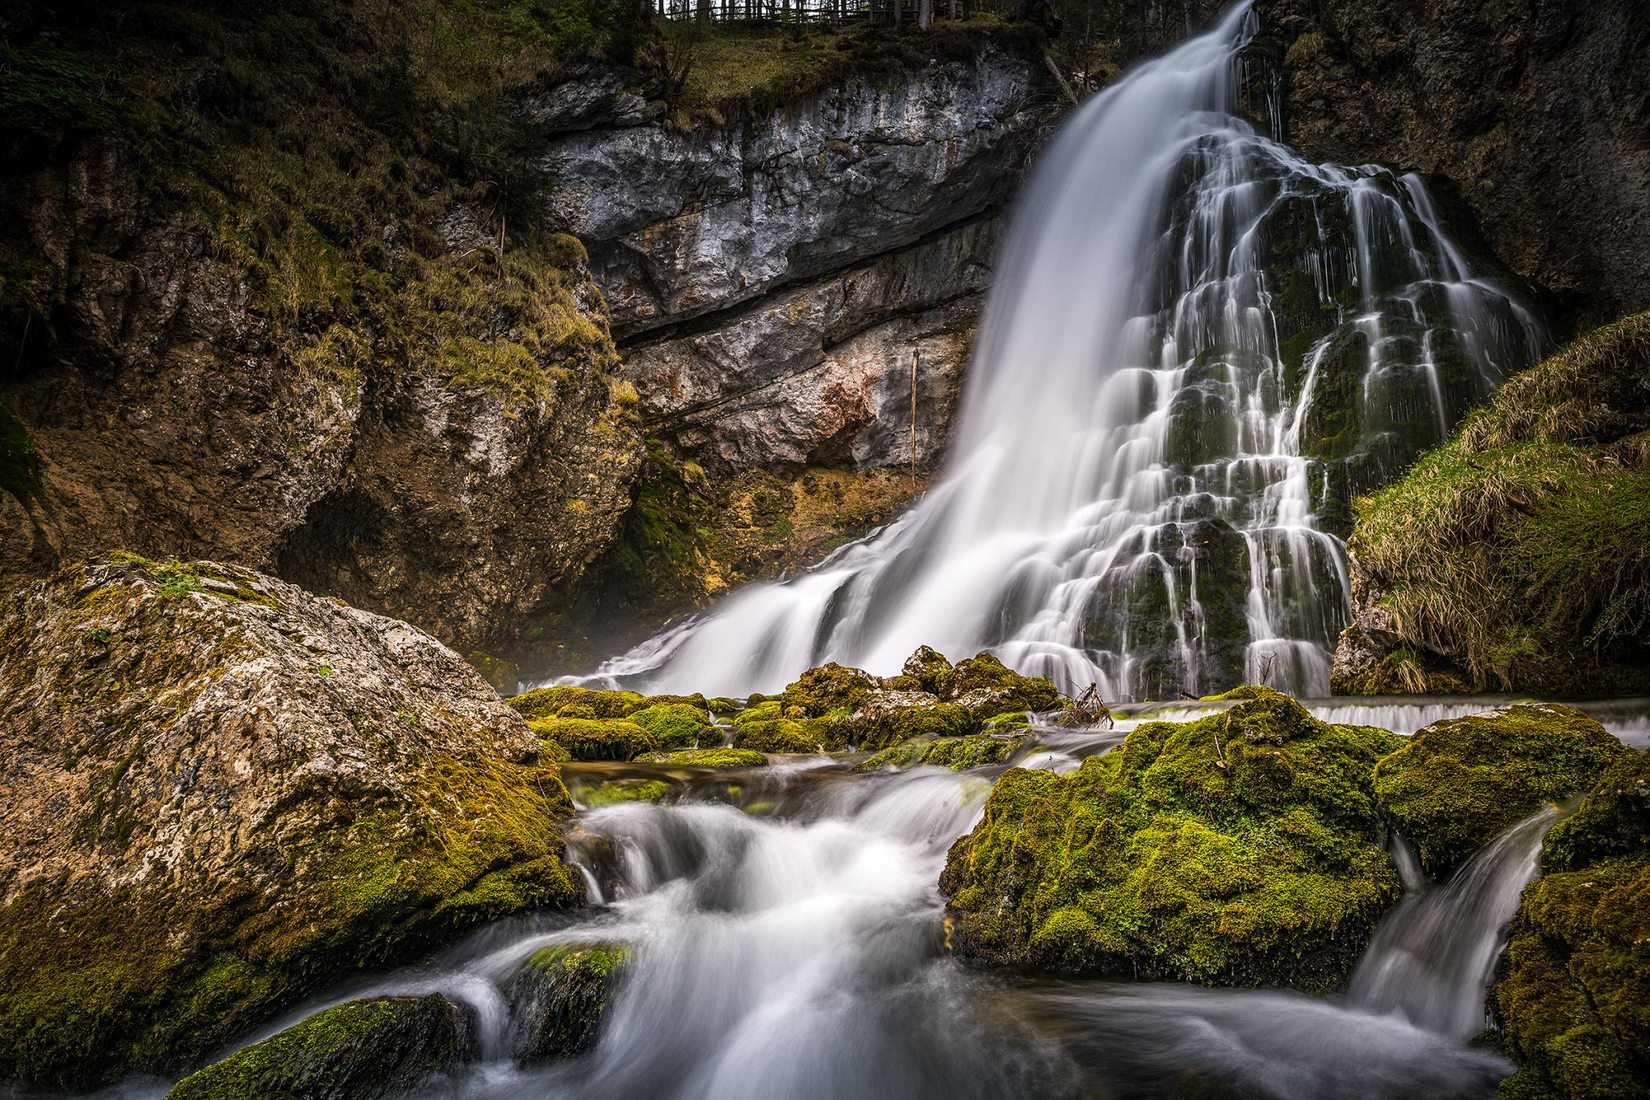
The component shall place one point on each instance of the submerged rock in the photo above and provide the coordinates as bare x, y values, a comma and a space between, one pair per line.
1457, 784
1238, 849
559, 996
706, 758
1573, 997
355, 1051
222, 791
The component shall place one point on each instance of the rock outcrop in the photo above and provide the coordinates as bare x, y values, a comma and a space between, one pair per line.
1535, 112
1513, 558
1243, 848
1571, 999
788, 283
221, 792
1457, 784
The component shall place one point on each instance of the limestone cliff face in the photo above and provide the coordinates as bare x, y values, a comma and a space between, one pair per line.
1538, 112
771, 278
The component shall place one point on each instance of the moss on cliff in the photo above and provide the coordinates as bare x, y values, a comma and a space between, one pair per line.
1241, 848
362, 1049
1573, 999
1458, 783
1516, 552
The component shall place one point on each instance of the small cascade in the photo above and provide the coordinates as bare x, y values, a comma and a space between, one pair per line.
1199, 345
1432, 959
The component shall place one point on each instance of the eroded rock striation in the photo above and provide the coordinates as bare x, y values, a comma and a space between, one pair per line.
221, 791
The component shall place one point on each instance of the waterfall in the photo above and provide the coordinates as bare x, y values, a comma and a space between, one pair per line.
1432, 959
1197, 347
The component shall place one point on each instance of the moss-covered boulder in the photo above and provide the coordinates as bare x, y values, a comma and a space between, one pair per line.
828, 689
596, 738
675, 725
1513, 558
1242, 848
558, 998
776, 735
1574, 999
577, 702
361, 1050
984, 686
926, 668
220, 791
885, 717
706, 758
1455, 785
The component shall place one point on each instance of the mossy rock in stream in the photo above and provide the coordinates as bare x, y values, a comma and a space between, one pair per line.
706, 758
1574, 996
549, 702
776, 735
887, 718
559, 996
828, 689
1242, 848
360, 1050
984, 686
597, 795
1457, 784
675, 725
955, 753
596, 738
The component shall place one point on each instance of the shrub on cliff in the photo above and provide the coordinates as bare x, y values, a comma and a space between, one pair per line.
1458, 783
1238, 849
1574, 1001
1514, 556
222, 791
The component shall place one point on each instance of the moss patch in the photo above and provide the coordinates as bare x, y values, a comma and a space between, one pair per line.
1573, 1001
675, 725
1240, 848
596, 738
1457, 784
365, 1049
706, 758
560, 995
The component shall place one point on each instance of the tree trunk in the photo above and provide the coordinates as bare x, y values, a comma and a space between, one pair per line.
925, 14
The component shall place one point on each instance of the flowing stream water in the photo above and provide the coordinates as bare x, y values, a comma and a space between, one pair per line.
788, 940
1197, 346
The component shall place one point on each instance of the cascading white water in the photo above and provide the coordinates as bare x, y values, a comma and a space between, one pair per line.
1197, 346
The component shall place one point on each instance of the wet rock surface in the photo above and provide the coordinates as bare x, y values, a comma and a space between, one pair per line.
221, 790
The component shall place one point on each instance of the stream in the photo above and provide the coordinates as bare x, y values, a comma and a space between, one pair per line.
789, 941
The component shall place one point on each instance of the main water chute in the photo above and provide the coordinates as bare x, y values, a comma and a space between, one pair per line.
1198, 346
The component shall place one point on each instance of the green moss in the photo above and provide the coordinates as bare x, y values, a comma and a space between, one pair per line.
560, 995
596, 738
987, 687
675, 725
706, 758
365, 1049
552, 701
611, 794
775, 735
956, 753
828, 689
1459, 783
893, 725
1574, 996
1241, 848
1515, 553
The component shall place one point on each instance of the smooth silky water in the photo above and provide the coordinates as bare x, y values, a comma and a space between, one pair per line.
1197, 346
